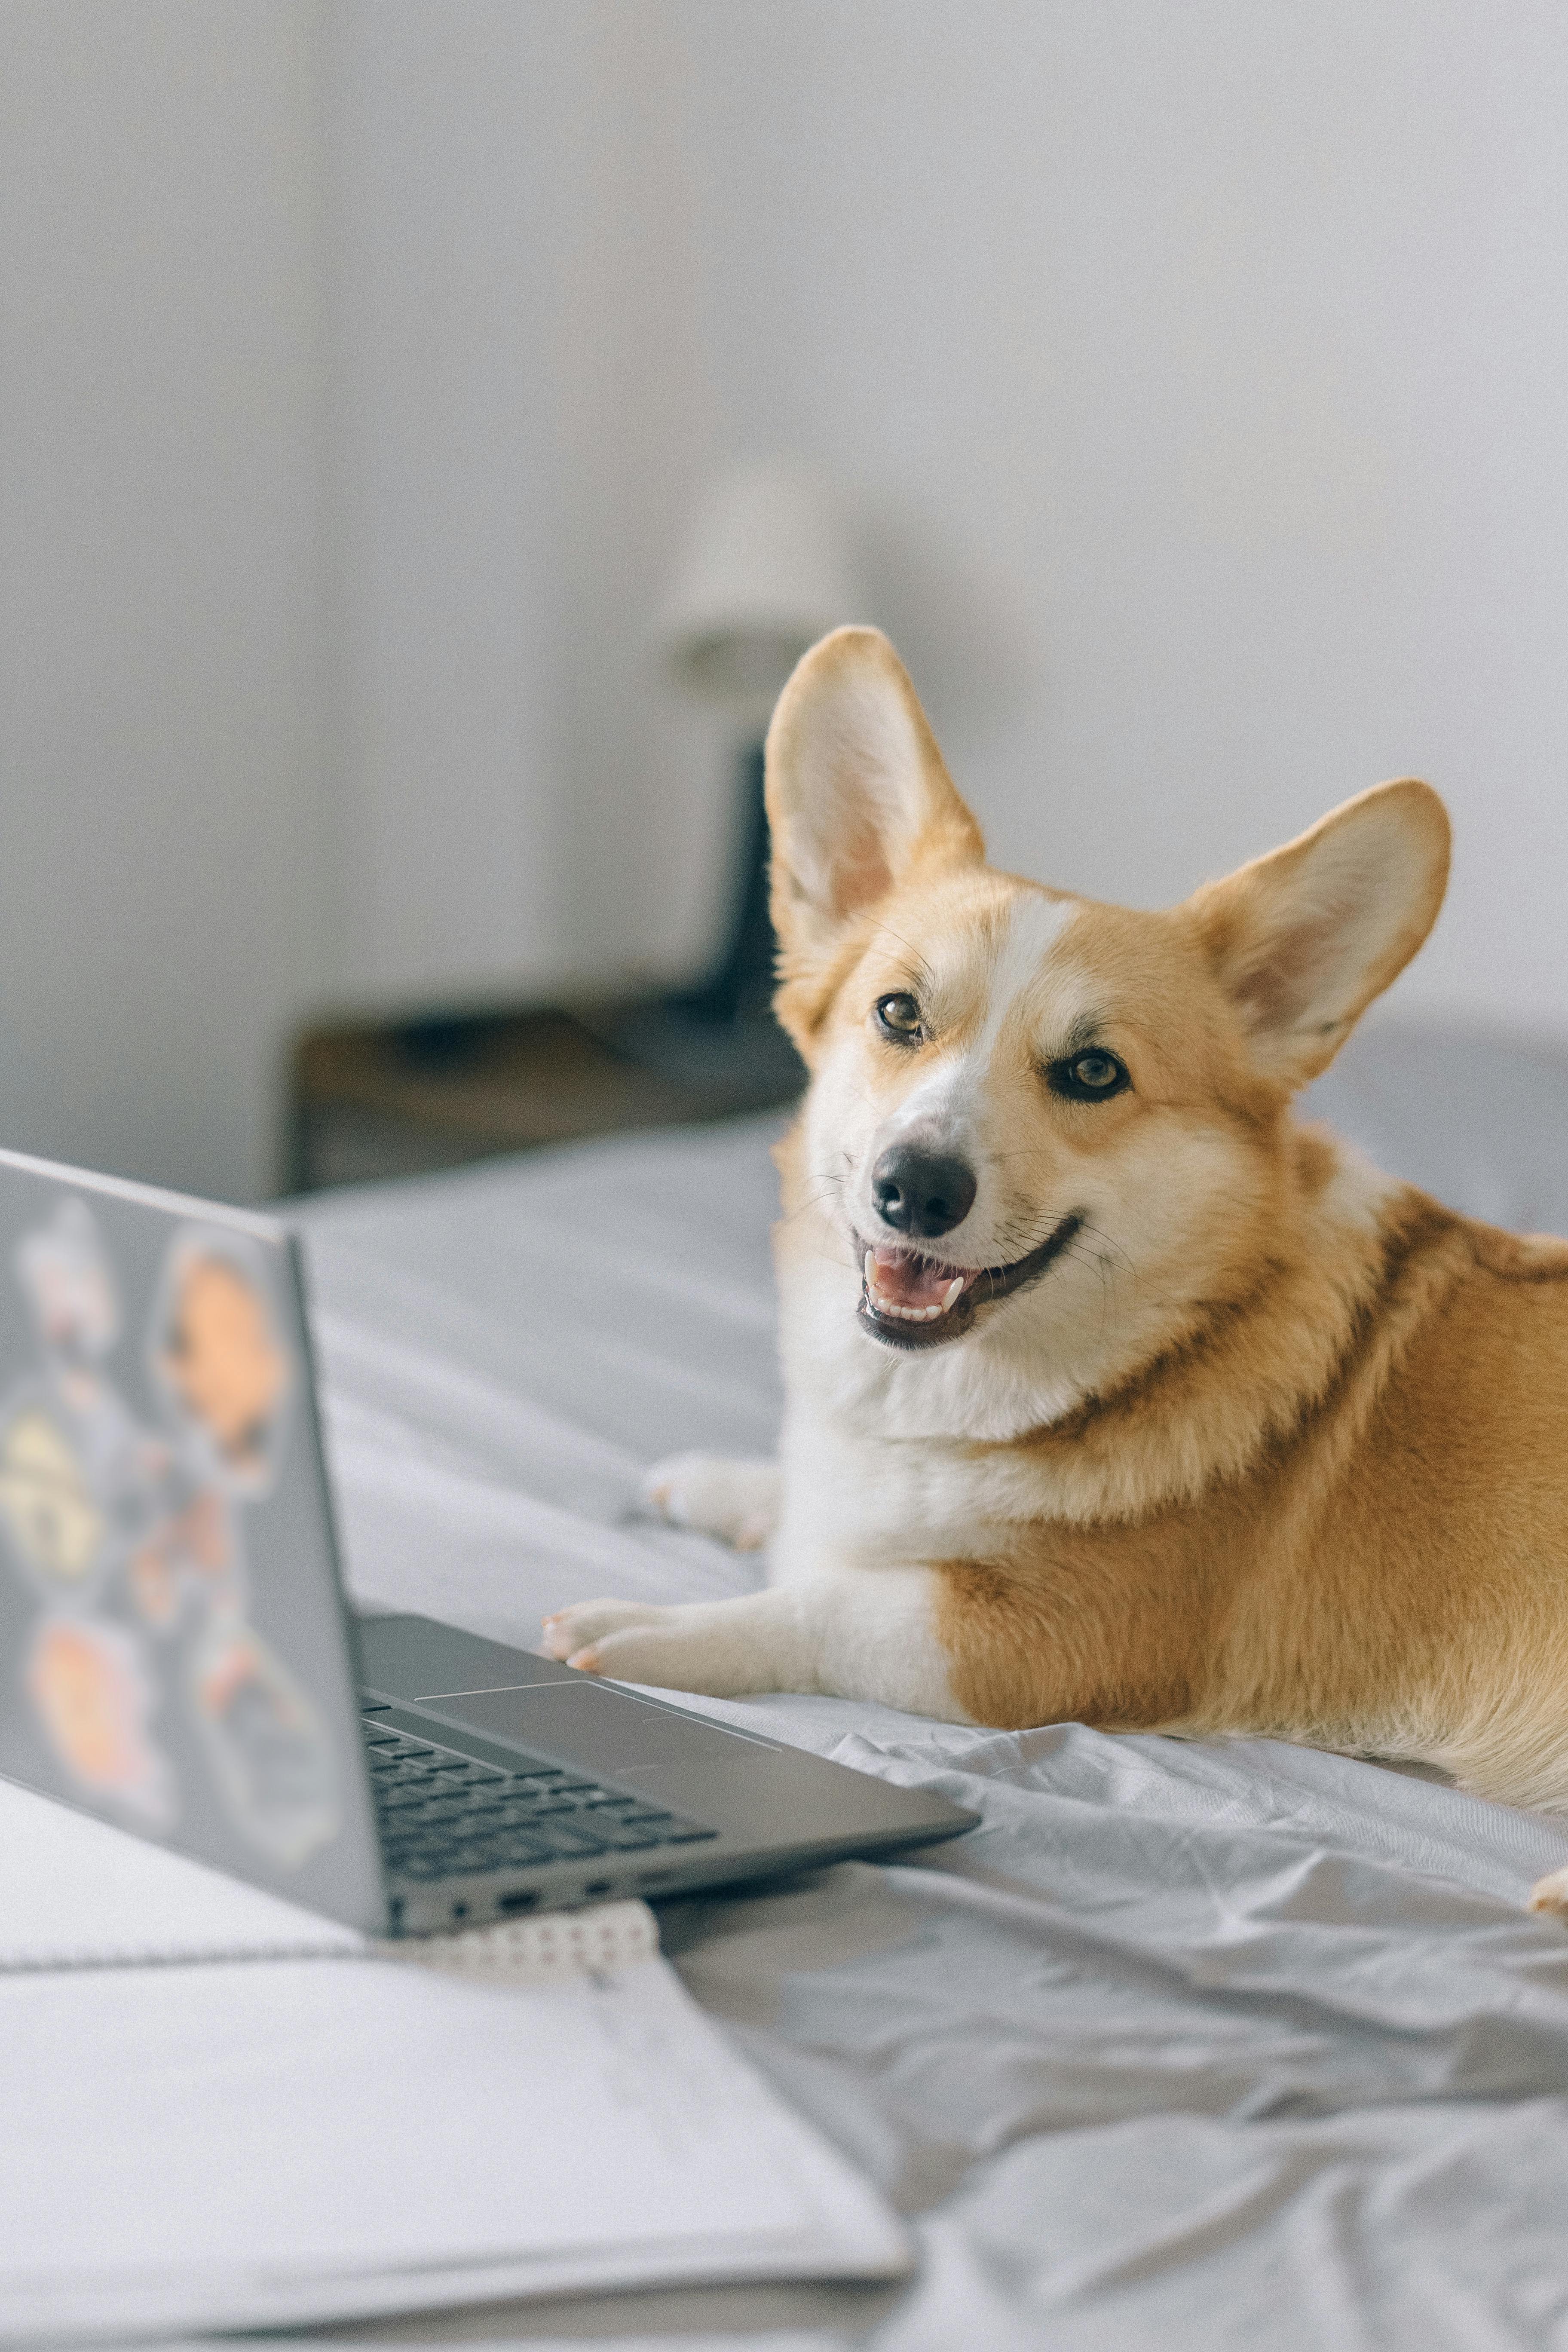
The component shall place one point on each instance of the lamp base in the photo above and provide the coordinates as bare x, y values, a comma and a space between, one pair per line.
721, 1033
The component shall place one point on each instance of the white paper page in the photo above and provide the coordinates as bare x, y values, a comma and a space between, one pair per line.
73, 1889
191, 2147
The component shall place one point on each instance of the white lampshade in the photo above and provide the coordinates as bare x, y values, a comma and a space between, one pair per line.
766, 573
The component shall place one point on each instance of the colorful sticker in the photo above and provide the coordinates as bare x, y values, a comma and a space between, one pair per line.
191, 1555
102, 1512
69, 1283
274, 1761
219, 1358
49, 1510
117, 1469
93, 1701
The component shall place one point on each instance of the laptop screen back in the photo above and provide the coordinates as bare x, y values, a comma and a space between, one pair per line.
171, 1637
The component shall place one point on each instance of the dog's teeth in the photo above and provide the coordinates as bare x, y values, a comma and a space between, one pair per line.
890, 1309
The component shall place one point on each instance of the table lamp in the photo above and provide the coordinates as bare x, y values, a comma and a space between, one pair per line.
765, 573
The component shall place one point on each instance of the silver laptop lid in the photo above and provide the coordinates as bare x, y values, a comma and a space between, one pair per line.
173, 1650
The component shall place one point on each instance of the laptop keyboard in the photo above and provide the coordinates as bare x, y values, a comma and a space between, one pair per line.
444, 1816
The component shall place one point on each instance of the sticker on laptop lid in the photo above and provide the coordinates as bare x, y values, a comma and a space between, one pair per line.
273, 1760
92, 1697
131, 1536
221, 1360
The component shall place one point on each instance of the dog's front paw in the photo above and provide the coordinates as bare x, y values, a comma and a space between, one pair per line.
577, 1634
1550, 1894
693, 1645
736, 1501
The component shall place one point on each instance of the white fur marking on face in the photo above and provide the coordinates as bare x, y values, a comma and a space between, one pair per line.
948, 1105
1034, 924
949, 1095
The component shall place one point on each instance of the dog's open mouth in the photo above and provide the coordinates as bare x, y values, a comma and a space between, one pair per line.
910, 1300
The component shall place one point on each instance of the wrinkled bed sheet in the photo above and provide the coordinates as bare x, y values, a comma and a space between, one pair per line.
1223, 2044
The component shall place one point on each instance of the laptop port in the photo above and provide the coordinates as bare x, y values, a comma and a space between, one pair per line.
523, 1901
598, 1885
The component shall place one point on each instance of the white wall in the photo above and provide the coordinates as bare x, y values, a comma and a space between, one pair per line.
160, 917
1197, 375
522, 411
1204, 371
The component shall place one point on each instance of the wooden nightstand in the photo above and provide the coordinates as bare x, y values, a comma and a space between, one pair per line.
369, 1100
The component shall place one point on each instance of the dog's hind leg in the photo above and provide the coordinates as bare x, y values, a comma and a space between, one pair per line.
736, 1500
869, 1634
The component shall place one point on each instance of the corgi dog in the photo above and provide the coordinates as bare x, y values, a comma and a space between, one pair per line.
1115, 1394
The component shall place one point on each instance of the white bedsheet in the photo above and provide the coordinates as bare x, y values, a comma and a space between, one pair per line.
1228, 2045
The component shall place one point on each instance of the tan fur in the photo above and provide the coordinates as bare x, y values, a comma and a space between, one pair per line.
1333, 1506
1277, 1446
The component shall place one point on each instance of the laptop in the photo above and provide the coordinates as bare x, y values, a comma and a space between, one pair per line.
177, 1654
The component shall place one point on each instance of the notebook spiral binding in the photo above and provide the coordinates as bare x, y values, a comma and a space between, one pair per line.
548, 1950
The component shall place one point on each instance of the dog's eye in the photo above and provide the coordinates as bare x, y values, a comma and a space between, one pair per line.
1089, 1077
900, 1016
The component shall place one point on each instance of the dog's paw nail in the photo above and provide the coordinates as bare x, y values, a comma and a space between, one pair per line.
752, 1534
1548, 1895
586, 1661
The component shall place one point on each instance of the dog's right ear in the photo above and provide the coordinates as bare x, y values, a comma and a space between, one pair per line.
857, 795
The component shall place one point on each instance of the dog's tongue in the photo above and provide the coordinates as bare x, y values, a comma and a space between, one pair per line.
898, 1278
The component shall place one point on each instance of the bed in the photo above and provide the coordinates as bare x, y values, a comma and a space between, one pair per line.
1217, 2044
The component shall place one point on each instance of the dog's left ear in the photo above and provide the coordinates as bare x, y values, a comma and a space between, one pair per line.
858, 795
1304, 939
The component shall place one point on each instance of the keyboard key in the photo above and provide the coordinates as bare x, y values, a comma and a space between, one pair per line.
446, 1815
566, 1838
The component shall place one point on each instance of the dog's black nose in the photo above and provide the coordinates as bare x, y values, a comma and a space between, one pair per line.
918, 1192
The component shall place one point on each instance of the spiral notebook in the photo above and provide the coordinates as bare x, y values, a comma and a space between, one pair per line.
336, 2128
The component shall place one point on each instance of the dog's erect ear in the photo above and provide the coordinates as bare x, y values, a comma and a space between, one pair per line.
858, 795
1304, 939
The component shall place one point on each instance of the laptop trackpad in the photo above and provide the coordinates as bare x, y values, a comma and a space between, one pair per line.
607, 1732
